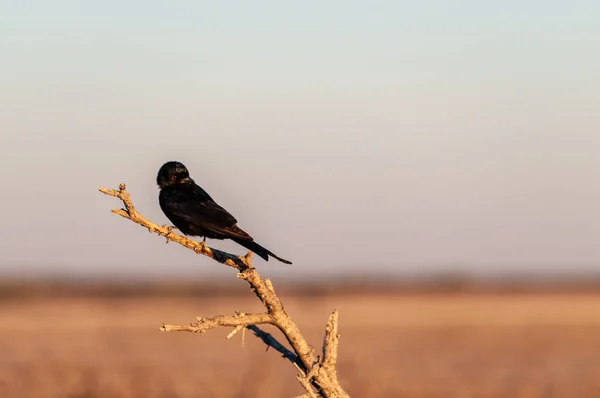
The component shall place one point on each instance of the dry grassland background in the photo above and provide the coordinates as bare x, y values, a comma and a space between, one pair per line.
426, 345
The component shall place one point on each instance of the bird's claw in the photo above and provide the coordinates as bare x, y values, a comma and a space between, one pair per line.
170, 229
201, 246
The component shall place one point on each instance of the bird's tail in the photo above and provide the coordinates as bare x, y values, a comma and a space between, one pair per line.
258, 249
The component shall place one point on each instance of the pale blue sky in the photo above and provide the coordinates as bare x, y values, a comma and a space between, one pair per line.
346, 136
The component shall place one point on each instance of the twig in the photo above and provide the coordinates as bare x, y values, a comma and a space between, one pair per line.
305, 382
205, 324
130, 213
234, 332
330, 345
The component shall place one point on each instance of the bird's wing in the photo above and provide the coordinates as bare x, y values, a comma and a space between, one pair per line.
207, 215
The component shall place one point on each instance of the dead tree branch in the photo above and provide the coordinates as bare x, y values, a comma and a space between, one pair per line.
205, 324
317, 375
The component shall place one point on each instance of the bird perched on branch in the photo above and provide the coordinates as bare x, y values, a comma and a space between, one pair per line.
195, 213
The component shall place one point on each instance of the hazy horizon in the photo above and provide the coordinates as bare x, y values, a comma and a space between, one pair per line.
347, 137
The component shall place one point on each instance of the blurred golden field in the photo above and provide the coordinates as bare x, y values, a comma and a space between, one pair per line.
393, 344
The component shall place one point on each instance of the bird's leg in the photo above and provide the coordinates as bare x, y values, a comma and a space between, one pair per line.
201, 245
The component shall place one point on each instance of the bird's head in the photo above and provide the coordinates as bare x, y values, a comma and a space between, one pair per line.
172, 173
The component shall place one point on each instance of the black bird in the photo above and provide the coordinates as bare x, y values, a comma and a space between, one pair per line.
195, 213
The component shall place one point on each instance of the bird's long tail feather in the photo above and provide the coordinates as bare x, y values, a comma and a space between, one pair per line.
259, 250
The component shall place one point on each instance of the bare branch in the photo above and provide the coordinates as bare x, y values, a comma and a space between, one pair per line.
130, 213
205, 324
310, 392
234, 332
318, 377
330, 343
